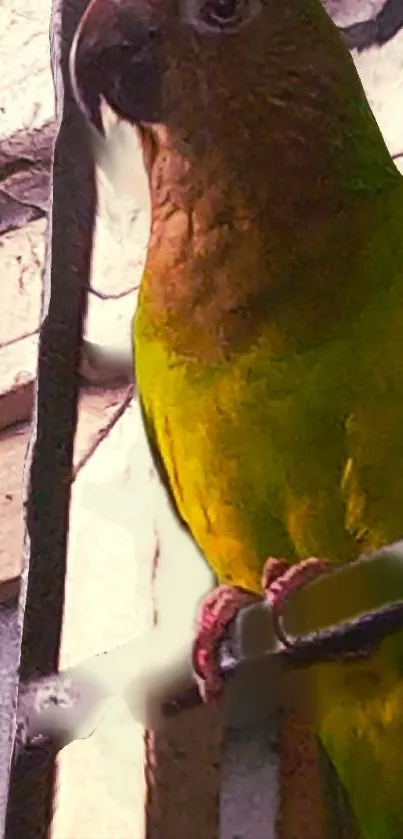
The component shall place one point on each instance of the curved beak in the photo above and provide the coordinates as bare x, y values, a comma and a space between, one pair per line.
116, 55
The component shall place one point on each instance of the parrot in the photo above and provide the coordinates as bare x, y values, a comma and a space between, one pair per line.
266, 337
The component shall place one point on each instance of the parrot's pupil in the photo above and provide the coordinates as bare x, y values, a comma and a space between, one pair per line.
221, 9
226, 8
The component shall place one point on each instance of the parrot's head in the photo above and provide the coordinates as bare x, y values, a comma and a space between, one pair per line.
259, 99
151, 59
255, 134
238, 78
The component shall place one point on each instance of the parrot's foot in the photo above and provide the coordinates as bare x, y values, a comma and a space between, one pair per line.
217, 611
280, 580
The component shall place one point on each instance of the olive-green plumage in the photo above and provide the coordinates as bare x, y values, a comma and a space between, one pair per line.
268, 339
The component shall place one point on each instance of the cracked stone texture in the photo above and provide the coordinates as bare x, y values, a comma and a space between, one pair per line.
26, 89
120, 241
96, 406
119, 251
21, 259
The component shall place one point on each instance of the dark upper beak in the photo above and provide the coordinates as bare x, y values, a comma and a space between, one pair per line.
116, 54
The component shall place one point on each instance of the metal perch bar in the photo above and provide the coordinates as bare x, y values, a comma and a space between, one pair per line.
59, 706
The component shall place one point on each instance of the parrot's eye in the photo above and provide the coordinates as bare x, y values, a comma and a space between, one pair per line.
222, 15
220, 12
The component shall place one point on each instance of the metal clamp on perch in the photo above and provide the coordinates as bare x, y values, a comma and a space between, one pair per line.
61, 707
